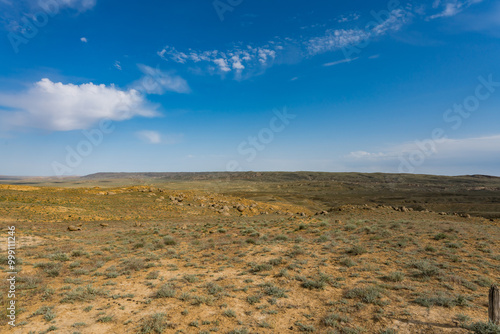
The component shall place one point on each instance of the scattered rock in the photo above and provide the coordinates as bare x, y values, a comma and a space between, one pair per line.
240, 208
74, 228
104, 224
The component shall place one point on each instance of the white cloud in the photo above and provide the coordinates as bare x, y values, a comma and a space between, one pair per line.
84, 39
452, 8
155, 137
80, 5
340, 61
64, 107
117, 65
255, 59
152, 137
156, 81
13, 12
430, 156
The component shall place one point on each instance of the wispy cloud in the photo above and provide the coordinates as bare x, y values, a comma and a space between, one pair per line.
156, 81
333, 63
151, 137
155, 137
255, 59
84, 39
446, 148
235, 60
64, 107
451, 8
117, 65
14, 11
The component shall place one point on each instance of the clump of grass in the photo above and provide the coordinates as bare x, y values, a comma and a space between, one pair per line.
255, 268
106, 318
483, 328
166, 291
348, 262
440, 236
59, 257
318, 284
369, 294
254, 299
154, 324
272, 290
46, 311
395, 276
229, 313
134, 264
281, 237
333, 320
357, 250
169, 240
153, 274
441, 299
425, 269
52, 269
304, 328
191, 278
82, 294
214, 289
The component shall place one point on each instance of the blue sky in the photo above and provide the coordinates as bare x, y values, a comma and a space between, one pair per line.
371, 86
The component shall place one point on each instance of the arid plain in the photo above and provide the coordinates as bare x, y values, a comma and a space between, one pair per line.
252, 253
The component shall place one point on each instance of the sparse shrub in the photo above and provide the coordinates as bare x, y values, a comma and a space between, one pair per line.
52, 269
272, 290
230, 313
304, 328
255, 268
169, 240
425, 269
281, 237
440, 236
153, 274
154, 324
368, 295
357, 250
254, 299
348, 262
214, 289
82, 294
395, 276
166, 291
483, 328
191, 278
134, 264
441, 299
106, 318
59, 257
